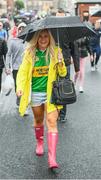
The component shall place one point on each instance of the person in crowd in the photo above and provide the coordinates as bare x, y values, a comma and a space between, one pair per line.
14, 55
7, 27
64, 44
74, 50
3, 32
84, 49
95, 46
14, 30
70, 57
3, 52
69, 50
86, 18
42, 60
60, 12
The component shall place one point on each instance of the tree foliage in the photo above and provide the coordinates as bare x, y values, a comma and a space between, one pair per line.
19, 4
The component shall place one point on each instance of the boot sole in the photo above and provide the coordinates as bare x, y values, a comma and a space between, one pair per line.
53, 167
39, 154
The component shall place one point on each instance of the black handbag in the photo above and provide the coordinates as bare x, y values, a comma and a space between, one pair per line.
63, 92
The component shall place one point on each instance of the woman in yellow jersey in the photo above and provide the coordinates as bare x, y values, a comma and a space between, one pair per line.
36, 73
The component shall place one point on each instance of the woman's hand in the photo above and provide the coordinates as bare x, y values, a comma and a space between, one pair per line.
19, 93
7, 71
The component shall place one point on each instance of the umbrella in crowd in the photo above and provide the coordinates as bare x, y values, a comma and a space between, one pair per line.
97, 13
61, 27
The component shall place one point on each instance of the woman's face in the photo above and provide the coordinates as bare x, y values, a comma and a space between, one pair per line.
43, 40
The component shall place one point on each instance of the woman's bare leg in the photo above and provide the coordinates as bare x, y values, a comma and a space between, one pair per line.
38, 115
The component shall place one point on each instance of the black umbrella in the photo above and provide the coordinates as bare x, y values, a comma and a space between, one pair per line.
97, 13
66, 27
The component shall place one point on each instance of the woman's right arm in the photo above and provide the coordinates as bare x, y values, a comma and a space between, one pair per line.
22, 75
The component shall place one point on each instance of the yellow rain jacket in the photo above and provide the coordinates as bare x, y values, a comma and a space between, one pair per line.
24, 78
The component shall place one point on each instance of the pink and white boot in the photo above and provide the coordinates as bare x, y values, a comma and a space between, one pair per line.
39, 132
52, 143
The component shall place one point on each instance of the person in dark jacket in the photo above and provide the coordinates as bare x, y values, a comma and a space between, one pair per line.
68, 50
7, 27
64, 44
84, 49
95, 45
3, 52
74, 50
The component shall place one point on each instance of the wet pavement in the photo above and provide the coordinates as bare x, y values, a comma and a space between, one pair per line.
79, 147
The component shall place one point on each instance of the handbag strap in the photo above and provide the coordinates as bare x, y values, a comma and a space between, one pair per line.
57, 74
57, 78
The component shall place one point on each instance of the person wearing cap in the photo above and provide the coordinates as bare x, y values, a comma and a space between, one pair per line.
14, 55
21, 26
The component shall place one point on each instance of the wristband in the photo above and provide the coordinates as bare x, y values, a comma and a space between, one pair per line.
59, 60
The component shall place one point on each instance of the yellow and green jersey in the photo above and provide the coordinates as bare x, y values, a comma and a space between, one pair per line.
40, 72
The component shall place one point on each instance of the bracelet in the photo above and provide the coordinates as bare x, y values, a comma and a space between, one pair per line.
59, 60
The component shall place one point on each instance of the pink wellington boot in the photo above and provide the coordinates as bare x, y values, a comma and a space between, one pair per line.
52, 143
39, 132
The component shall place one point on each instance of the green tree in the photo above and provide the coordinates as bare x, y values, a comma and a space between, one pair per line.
19, 4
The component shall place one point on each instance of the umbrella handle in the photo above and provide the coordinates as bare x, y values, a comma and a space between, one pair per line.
58, 38
60, 57
25, 38
26, 35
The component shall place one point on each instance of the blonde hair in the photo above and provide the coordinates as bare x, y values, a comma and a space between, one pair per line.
32, 45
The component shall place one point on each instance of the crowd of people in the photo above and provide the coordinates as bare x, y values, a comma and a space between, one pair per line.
34, 67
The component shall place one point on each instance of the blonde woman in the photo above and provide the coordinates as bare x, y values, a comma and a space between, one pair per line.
38, 71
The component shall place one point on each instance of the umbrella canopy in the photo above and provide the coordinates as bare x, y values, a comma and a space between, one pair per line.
68, 27
97, 13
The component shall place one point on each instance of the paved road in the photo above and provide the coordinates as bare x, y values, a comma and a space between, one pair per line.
79, 148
